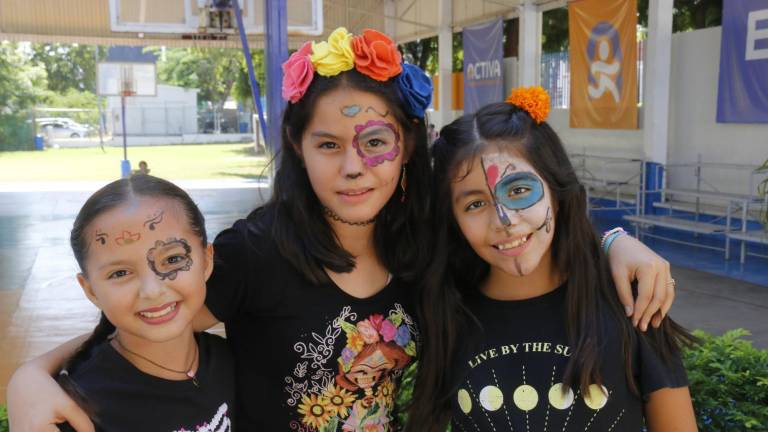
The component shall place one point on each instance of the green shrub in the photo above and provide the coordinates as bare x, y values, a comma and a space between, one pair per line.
3, 419
729, 382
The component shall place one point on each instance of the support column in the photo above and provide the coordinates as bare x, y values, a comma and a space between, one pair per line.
445, 62
658, 57
528, 61
276, 38
390, 12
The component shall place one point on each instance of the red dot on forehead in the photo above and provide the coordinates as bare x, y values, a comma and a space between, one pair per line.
492, 173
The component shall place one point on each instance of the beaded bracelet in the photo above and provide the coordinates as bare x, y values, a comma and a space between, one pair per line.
609, 237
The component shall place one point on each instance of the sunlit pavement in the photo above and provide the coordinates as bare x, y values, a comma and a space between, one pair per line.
41, 304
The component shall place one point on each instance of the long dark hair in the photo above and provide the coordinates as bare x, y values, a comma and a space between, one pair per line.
105, 199
302, 234
456, 268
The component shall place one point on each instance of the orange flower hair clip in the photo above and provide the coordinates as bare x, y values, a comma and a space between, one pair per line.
533, 100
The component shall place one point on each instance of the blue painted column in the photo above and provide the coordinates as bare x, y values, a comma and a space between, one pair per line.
255, 91
654, 181
276, 40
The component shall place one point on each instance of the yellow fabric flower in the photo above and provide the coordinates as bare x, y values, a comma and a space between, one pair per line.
315, 410
534, 100
355, 342
335, 56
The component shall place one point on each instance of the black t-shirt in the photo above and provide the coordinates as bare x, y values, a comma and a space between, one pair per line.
511, 371
308, 356
127, 399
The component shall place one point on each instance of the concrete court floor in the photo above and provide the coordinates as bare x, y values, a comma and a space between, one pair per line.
41, 304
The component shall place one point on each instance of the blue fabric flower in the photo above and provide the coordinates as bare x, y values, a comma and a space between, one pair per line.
415, 89
403, 336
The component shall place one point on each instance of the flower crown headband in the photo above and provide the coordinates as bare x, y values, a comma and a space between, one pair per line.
373, 54
533, 100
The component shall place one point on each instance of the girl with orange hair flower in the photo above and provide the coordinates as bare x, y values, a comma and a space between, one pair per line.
522, 327
327, 270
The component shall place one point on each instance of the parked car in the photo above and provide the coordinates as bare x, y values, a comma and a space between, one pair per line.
63, 128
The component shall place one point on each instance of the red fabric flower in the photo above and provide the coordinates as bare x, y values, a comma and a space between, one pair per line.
297, 73
376, 55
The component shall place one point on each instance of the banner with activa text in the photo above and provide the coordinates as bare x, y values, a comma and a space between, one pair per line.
743, 89
483, 59
603, 57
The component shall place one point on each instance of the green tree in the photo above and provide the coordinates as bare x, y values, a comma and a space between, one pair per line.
22, 85
69, 66
216, 72
688, 14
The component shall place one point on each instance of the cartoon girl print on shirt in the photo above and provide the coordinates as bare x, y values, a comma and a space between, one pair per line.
361, 396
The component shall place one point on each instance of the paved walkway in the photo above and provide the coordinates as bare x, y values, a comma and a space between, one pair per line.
41, 304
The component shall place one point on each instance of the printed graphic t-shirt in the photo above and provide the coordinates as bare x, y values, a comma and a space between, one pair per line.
511, 378
127, 399
309, 357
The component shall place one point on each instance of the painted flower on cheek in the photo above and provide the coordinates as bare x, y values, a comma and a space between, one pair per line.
376, 55
388, 331
335, 56
369, 333
297, 73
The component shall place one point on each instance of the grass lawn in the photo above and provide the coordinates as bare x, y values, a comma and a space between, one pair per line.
173, 162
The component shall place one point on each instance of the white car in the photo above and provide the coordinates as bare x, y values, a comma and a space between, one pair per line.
63, 128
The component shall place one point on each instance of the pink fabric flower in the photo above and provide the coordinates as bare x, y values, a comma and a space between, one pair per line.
297, 73
376, 320
369, 333
388, 331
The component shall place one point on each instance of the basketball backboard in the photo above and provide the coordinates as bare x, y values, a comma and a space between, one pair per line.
196, 18
126, 79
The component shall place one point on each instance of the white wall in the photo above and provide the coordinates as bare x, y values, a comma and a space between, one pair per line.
693, 110
173, 111
693, 129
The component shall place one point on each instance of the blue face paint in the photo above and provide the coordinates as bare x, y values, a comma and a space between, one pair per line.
519, 191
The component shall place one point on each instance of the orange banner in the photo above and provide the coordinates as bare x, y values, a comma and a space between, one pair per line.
603, 57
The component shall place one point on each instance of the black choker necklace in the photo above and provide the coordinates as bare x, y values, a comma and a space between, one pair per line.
328, 212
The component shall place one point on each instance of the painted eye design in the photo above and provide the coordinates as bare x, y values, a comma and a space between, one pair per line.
175, 259
519, 191
373, 143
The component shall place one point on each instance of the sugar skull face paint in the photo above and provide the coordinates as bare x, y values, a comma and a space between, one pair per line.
376, 141
505, 211
511, 190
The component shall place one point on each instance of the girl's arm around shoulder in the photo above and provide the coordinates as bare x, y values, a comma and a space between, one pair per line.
35, 400
670, 410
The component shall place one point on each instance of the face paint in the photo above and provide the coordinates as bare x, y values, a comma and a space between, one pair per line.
154, 220
547, 221
511, 190
127, 237
101, 237
169, 257
350, 110
370, 108
376, 141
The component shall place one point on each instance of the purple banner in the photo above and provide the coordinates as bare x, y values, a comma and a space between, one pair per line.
483, 62
743, 89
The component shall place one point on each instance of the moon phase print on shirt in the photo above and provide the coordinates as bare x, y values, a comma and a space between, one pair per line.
169, 257
376, 141
154, 220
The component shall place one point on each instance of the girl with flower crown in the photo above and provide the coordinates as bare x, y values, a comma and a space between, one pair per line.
316, 286
522, 327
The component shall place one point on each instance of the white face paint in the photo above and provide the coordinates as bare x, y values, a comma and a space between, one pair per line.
505, 211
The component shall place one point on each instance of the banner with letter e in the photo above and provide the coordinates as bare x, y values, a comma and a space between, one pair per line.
483, 60
743, 89
603, 57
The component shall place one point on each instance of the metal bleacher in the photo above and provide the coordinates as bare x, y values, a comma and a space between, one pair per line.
704, 209
611, 183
